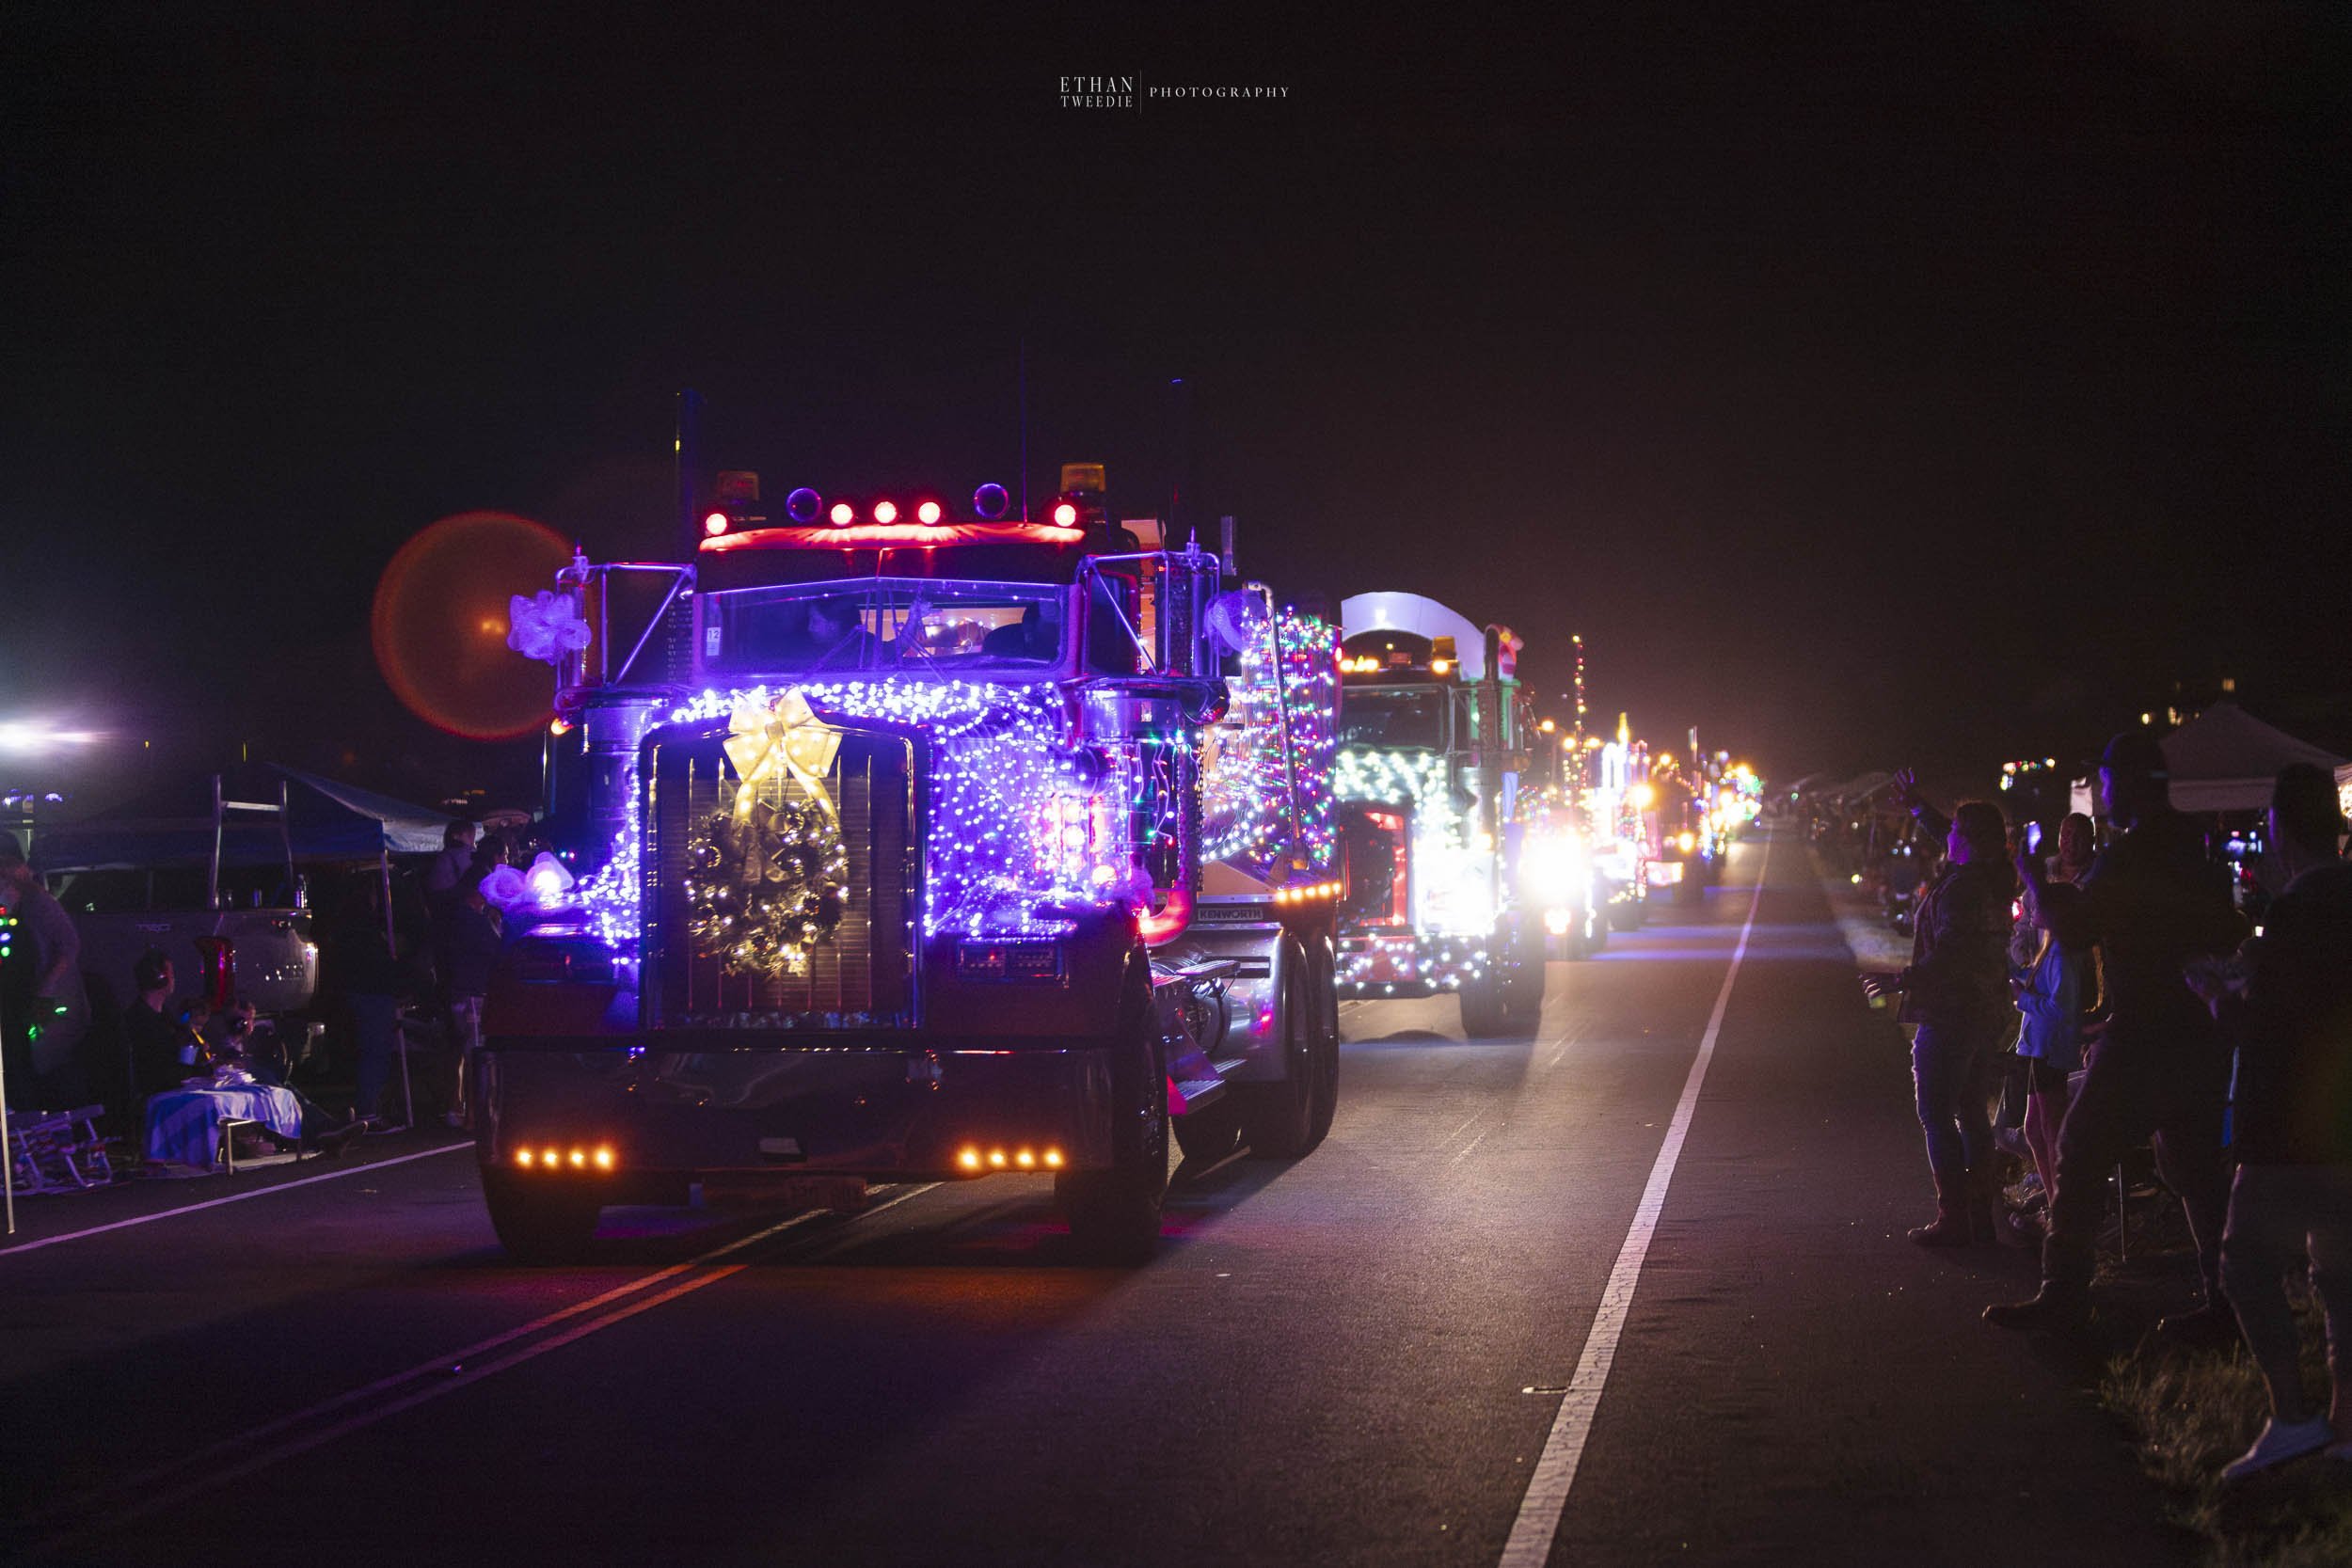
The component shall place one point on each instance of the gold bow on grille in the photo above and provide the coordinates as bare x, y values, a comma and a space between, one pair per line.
784, 737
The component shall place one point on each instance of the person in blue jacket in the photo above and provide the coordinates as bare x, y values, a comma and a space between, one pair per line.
2056, 995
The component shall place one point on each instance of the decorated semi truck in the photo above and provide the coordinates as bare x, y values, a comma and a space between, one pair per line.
1434, 737
925, 847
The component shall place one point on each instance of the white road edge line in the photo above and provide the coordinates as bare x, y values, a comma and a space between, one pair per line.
235, 1197
157, 1501
1546, 1499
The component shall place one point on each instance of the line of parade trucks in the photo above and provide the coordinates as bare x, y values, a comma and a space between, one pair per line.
920, 846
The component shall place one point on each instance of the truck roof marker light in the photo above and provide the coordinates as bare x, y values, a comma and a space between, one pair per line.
1052, 1159
603, 1157
1065, 515
715, 524
928, 514
885, 512
522, 1158
996, 1158
968, 1158
843, 514
1027, 1160
803, 505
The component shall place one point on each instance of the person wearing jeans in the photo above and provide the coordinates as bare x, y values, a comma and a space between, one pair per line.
1956, 989
2288, 1002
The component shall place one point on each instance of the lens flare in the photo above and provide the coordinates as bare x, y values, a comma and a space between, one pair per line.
440, 624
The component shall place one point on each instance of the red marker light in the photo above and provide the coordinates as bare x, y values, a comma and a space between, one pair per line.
716, 524
1066, 515
926, 513
843, 513
885, 512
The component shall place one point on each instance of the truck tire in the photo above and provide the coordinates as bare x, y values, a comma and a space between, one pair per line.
1279, 1120
539, 1224
1485, 1010
1323, 982
1579, 943
1207, 1135
1523, 985
1114, 1213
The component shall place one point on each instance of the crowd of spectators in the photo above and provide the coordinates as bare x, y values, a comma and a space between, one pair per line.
410, 953
2125, 999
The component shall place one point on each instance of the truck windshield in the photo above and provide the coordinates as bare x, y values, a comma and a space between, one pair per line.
906, 626
1393, 720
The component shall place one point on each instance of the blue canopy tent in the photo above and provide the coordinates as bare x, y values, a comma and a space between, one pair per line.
265, 814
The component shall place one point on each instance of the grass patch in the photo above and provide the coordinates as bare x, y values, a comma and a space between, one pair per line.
2193, 1411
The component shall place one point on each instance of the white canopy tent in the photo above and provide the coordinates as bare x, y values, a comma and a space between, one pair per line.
2226, 759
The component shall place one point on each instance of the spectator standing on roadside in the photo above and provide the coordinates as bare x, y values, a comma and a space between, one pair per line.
448, 874
2077, 846
1956, 990
42, 982
2152, 901
2056, 989
469, 939
369, 979
2291, 1014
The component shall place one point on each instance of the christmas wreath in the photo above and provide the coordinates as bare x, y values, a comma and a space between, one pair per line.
765, 886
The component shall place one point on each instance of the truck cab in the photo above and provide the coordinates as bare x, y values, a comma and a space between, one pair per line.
931, 848
1434, 741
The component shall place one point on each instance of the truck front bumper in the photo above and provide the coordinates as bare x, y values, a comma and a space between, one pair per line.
1384, 966
879, 1111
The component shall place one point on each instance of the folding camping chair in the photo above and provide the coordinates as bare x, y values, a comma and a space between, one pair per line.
59, 1151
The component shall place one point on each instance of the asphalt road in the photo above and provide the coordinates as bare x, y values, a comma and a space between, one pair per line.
1357, 1358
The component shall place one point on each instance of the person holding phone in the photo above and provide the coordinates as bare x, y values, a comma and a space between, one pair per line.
2055, 991
1955, 989
2152, 901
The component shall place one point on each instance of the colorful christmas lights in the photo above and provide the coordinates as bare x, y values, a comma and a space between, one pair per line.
1287, 691
1024, 827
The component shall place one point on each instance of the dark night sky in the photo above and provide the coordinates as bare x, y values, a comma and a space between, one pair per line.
1905, 381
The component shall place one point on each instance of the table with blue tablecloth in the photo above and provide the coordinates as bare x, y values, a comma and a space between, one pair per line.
184, 1124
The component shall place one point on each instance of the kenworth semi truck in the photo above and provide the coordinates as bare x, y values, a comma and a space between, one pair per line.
928, 847
1434, 736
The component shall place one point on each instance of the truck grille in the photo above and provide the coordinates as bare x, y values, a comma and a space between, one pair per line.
730, 944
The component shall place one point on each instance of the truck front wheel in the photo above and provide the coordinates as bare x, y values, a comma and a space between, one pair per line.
1486, 1011
1524, 983
1114, 1213
538, 1223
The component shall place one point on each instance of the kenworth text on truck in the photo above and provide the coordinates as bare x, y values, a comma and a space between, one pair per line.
934, 849
1433, 742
